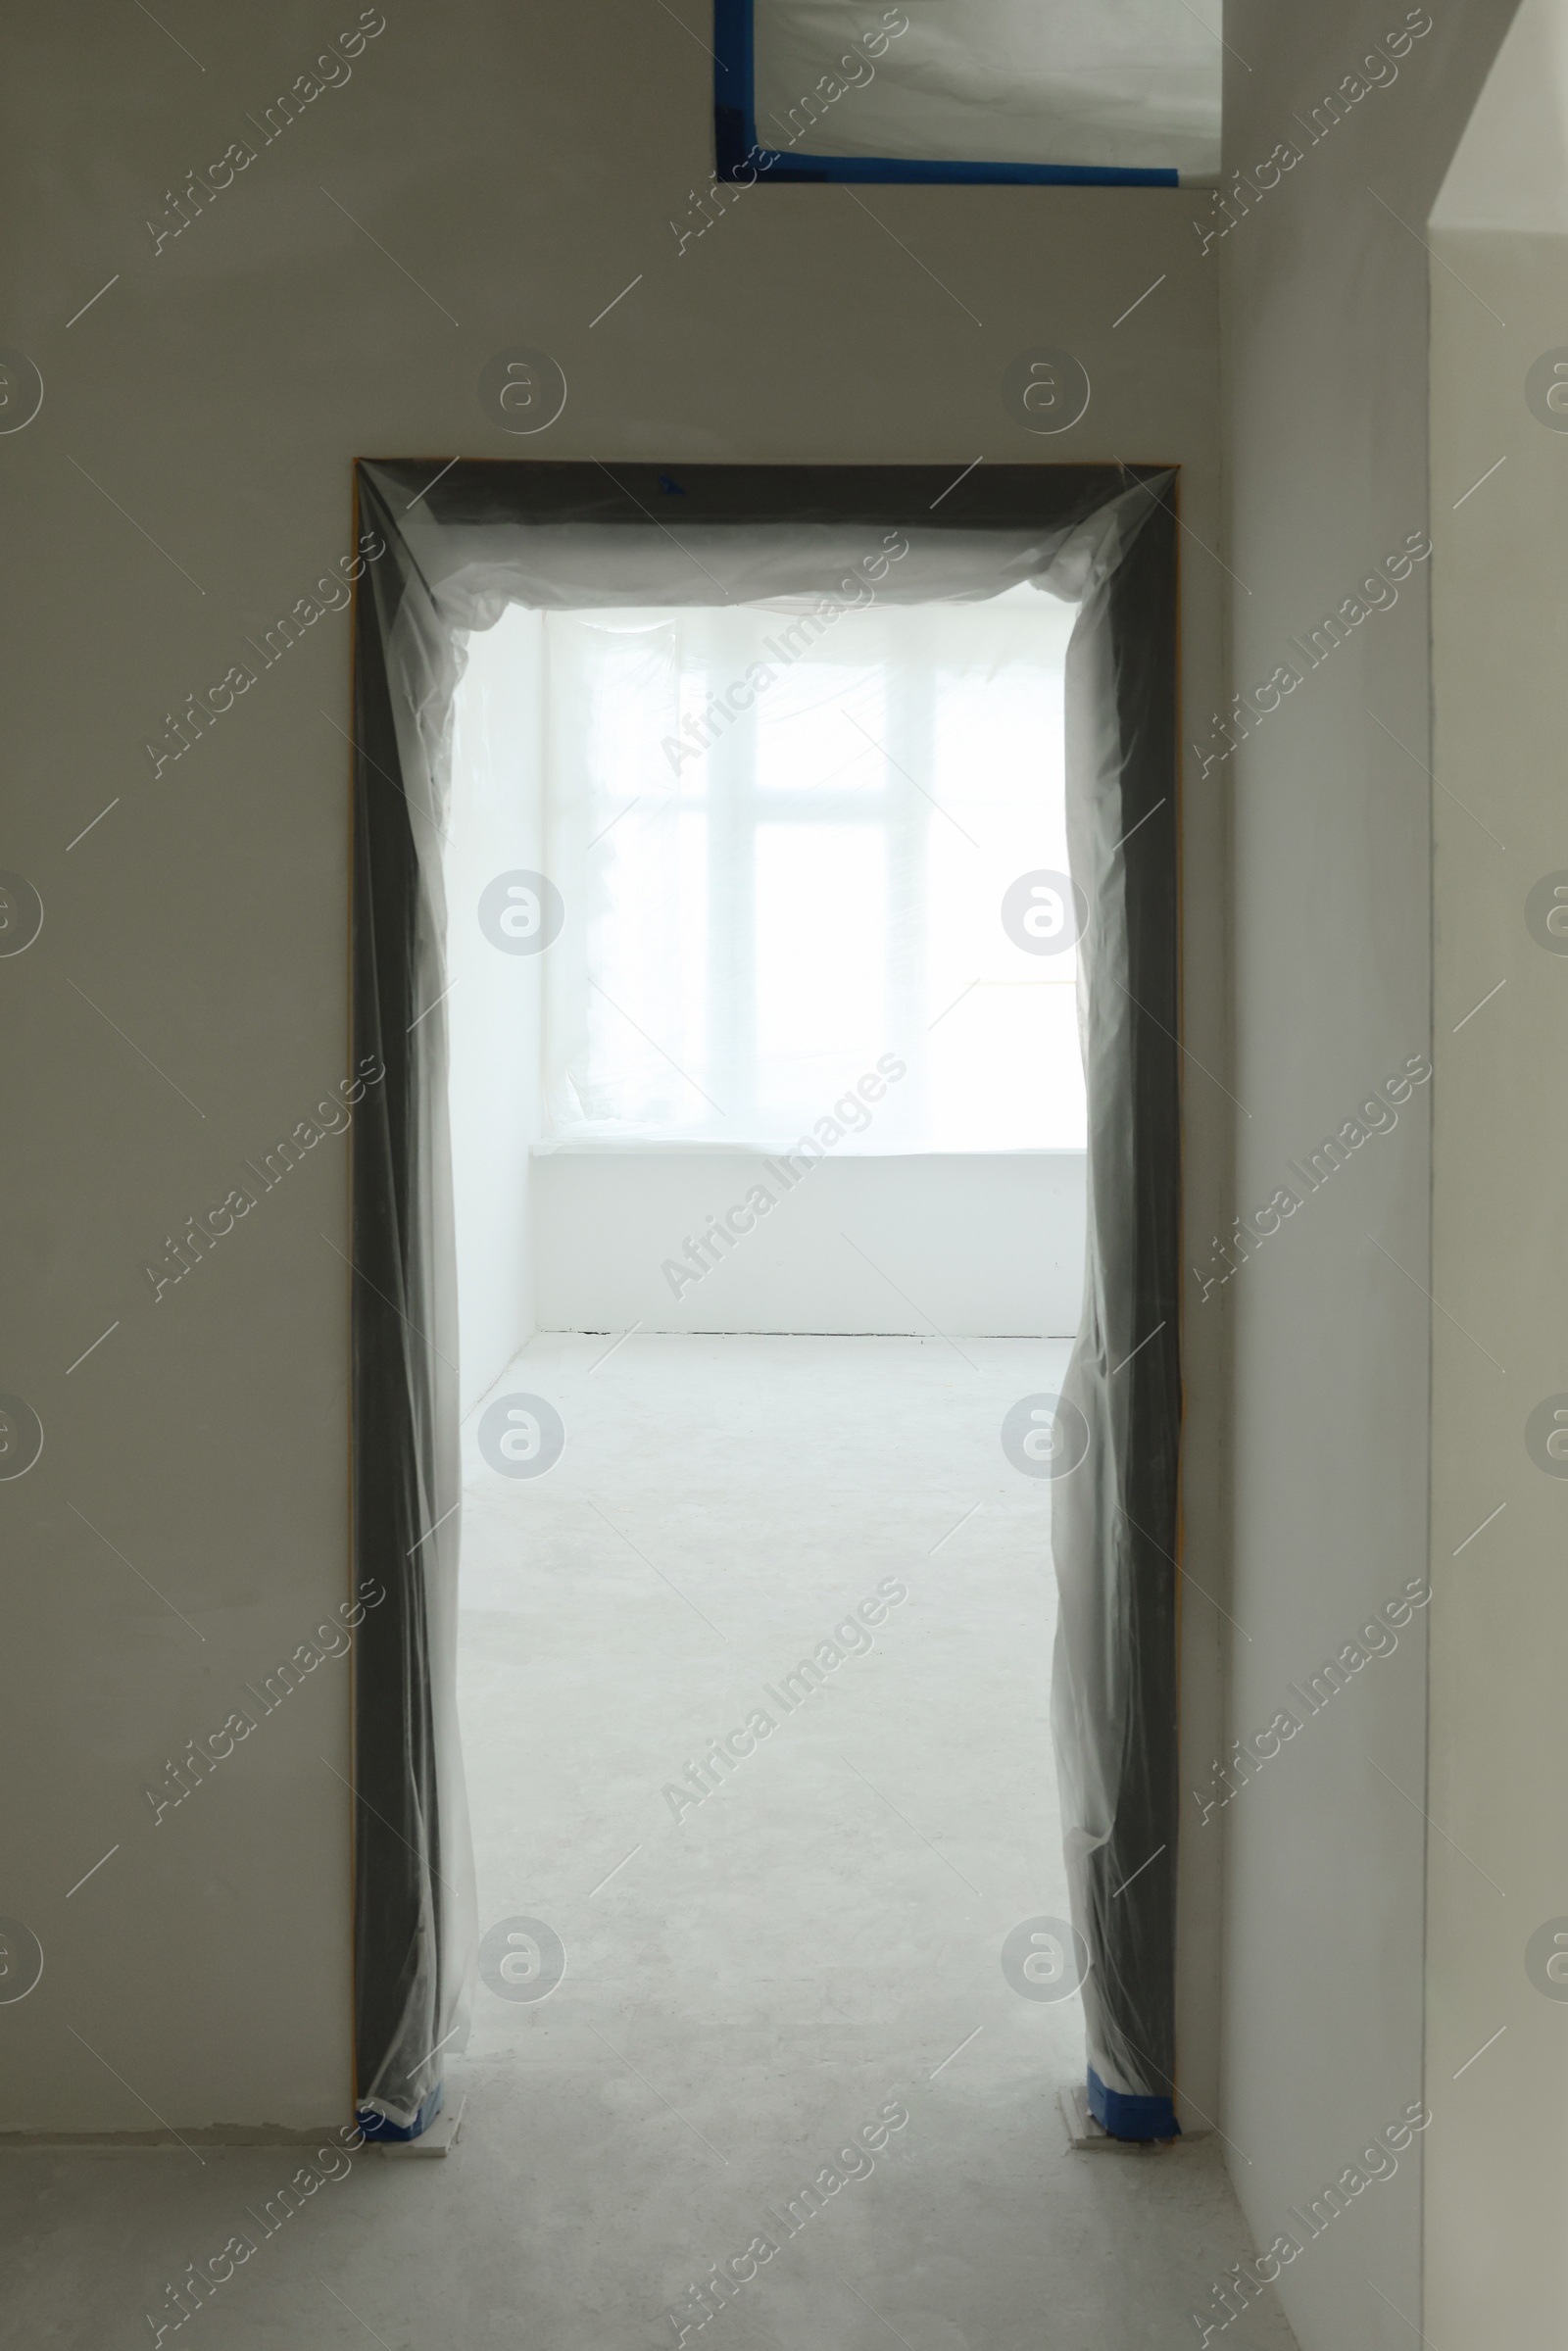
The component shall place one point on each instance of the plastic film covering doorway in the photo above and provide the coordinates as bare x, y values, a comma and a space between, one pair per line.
460, 549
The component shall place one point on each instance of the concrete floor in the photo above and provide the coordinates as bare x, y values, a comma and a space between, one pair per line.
747, 1986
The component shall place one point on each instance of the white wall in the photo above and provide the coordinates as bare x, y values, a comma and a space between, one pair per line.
1498, 2158
496, 826
489, 179
1326, 335
980, 1244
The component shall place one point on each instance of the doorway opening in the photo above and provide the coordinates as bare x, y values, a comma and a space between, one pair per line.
707, 1047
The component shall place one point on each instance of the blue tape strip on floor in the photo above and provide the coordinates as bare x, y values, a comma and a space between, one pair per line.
377, 2126
1126, 2117
738, 157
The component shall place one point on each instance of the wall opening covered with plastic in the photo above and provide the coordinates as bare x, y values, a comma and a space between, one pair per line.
824, 541
1038, 91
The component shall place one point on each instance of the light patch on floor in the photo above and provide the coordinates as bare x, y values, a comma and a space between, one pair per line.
754, 1985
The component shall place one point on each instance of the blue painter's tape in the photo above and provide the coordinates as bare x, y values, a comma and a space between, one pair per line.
377, 2126
738, 157
1126, 2117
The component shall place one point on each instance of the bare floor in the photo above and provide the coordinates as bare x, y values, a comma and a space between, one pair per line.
790, 1981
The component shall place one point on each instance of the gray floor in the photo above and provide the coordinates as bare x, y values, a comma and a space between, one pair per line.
751, 1985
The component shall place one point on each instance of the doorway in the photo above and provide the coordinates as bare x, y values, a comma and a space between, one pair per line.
562, 540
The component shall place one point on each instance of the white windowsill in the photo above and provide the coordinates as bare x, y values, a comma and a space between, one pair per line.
603, 1147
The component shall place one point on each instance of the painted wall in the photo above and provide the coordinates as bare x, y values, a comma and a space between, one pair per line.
495, 826
911, 1245
480, 182
1497, 2023
1326, 339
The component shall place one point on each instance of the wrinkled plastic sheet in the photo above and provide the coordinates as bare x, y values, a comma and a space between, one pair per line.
1092, 90
574, 536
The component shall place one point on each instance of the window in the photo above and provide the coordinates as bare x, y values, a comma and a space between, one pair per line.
784, 850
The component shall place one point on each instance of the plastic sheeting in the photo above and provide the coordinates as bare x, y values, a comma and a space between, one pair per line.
1114, 1519
568, 536
970, 89
413, 1931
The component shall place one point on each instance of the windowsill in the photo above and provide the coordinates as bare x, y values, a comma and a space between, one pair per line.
605, 1146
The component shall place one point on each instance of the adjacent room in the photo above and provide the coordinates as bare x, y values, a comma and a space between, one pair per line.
777, 939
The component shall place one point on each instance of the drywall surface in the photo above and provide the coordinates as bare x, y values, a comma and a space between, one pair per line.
1326, 326
910, 1245
473, 178
1497, 1935
1498, 2169
495, 824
